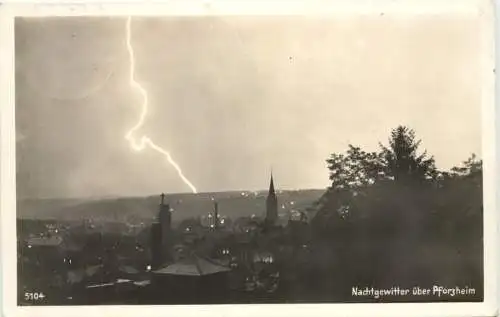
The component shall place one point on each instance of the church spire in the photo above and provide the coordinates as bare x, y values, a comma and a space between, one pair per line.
271, 204
271, 185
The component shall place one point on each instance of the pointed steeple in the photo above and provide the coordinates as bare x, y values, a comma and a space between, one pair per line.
271, 204
271, 186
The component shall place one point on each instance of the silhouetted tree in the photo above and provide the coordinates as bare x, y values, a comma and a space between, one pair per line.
472, 166
402, 160
351, 174
376, 215
355, 169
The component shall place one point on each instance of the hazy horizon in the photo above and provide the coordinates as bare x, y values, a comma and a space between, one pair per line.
146, 195
232, 98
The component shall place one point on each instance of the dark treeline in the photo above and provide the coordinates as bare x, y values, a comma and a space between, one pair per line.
391, 218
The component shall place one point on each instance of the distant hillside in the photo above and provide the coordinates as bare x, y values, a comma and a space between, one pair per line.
135, 209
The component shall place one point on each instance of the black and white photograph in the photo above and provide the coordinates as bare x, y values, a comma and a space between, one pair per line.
250, 159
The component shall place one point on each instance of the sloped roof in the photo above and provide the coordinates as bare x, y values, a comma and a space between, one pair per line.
77, 276
128, 269
193, 266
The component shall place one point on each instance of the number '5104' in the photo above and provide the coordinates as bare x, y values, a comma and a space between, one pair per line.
34, 296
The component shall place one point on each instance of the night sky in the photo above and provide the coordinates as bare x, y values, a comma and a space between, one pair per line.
231, 98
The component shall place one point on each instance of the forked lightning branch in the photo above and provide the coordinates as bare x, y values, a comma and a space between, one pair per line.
140, 142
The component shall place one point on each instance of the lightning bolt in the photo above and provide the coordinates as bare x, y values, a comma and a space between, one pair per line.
139, 144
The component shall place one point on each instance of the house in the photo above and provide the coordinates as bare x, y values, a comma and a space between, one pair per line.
191, 279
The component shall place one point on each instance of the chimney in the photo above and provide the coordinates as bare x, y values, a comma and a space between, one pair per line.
216, 215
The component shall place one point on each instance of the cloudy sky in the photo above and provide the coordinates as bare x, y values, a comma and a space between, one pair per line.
232, 97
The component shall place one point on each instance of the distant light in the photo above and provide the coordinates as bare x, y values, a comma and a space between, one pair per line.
292, 203
222, 221
148, 268
29, 246
242, 194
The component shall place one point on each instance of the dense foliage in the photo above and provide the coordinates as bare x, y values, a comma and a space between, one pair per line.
392, 218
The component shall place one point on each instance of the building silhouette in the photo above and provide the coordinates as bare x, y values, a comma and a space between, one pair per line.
165, 219
271, 205
161, 235
216, 215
